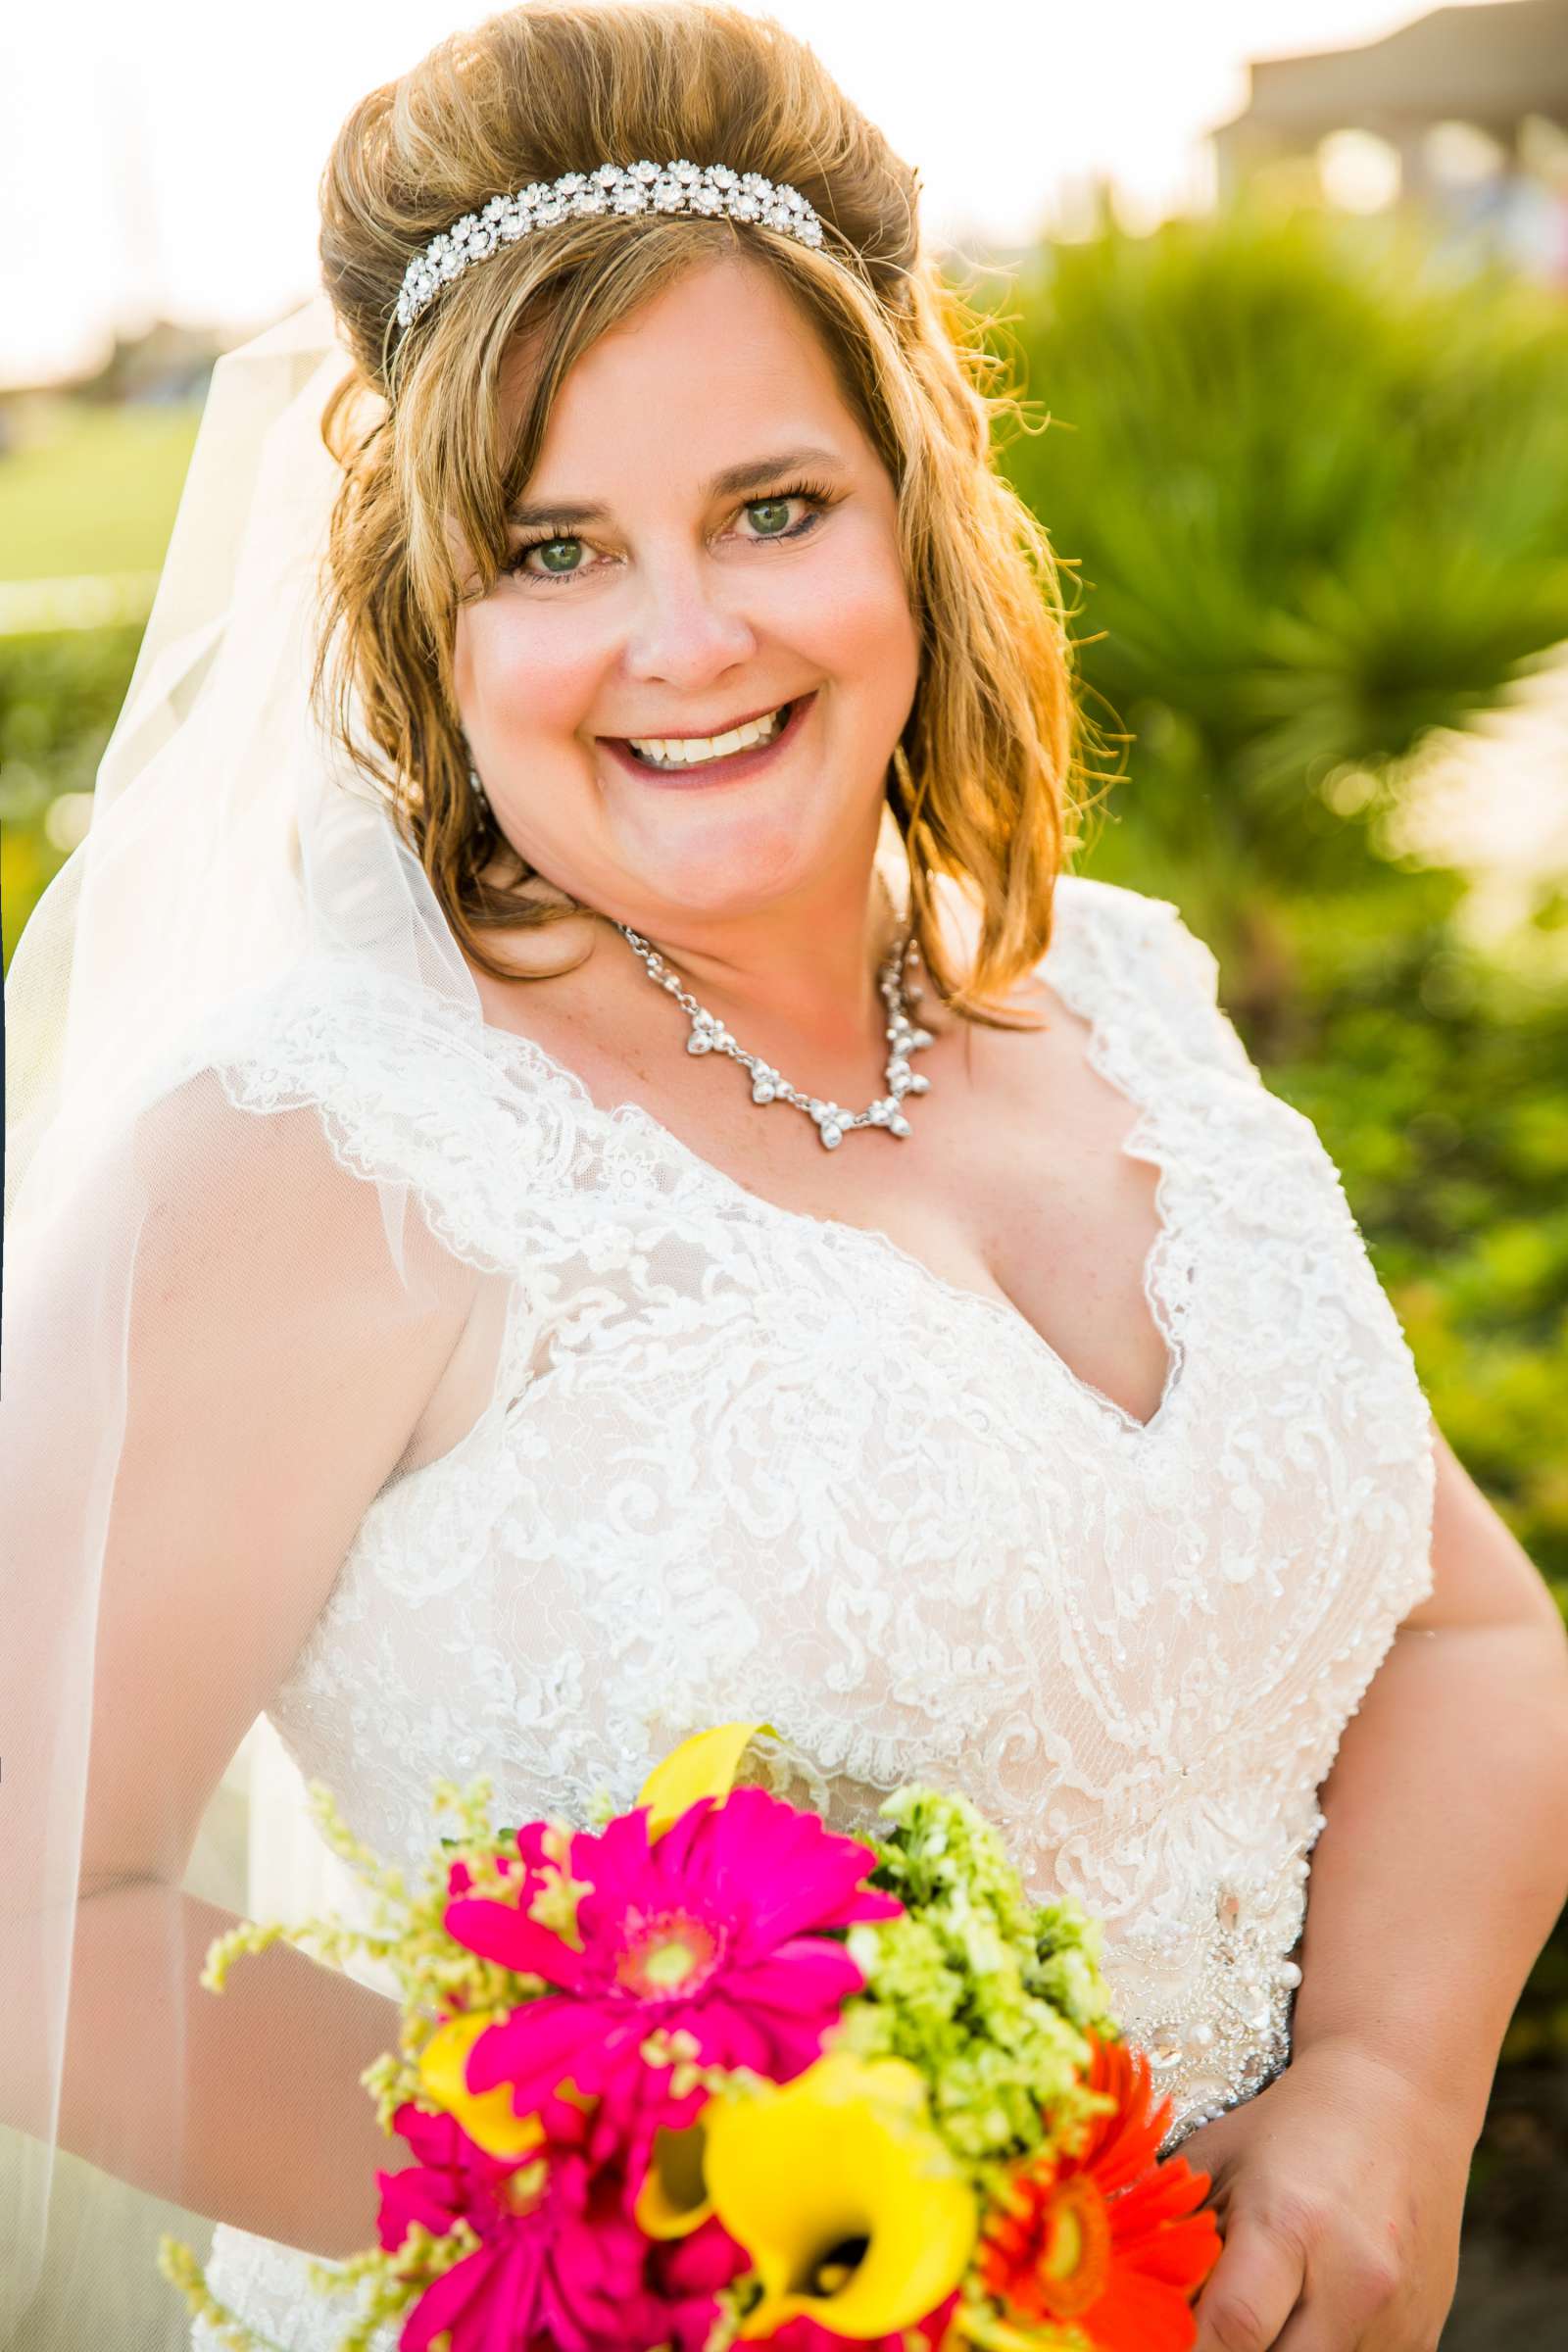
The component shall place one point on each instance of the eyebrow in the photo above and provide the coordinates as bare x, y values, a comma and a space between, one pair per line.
728, 484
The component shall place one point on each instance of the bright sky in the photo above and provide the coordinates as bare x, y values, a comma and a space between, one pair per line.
164, 157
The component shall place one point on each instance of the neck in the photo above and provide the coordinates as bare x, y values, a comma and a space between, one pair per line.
797, 983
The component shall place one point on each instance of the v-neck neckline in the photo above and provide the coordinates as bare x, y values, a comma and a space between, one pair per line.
1137, 1142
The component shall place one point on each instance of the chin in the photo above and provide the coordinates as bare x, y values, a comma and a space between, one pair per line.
737, 878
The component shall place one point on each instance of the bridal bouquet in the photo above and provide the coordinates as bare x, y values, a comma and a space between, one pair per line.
710, 2074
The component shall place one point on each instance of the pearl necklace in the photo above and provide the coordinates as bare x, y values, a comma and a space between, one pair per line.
708, 1035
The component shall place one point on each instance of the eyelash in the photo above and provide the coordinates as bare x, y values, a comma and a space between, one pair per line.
815, 493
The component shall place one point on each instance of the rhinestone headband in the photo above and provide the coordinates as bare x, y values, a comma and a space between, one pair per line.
677, 187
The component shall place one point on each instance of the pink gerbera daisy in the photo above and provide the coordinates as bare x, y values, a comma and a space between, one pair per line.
561, 2265
718, 1929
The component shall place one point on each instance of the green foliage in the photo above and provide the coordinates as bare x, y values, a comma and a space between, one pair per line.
1436, 1079
59, 698
87, 491
988, 1994
1315, 500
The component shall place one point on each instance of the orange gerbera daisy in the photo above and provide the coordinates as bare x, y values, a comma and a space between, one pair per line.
1107, 2242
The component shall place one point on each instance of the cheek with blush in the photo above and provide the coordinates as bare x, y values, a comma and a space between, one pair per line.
851, 618
526, 703
527, 696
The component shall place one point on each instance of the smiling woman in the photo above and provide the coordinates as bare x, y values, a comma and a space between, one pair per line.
664, 470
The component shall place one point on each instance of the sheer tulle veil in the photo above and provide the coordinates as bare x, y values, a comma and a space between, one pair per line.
231, 844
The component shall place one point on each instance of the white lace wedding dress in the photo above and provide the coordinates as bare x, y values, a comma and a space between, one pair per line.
741, 1462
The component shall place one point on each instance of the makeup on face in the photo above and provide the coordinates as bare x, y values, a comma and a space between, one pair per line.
682, 691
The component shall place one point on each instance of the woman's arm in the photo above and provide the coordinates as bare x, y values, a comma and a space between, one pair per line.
276, 1361
272, 2130
1435, 1883
1444, 1861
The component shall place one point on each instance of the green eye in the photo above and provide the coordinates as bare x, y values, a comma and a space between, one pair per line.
551, 551
770, 514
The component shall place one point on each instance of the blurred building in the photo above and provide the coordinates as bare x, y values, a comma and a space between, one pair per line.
1462, 114
167, 363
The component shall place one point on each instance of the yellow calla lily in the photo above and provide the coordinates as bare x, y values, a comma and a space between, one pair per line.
674, 2199
487, 2117
704, 1765
851, 2209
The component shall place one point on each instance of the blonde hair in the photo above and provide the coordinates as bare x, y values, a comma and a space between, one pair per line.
982, 781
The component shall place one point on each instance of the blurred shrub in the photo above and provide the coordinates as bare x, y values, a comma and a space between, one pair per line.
59, 698
1446, 1111
1316, 496
93, 492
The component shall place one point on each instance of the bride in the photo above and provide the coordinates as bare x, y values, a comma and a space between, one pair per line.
580, 1165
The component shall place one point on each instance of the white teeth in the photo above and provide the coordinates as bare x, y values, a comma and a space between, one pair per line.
691, 750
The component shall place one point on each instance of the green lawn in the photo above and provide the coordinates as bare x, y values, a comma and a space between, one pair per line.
95, 492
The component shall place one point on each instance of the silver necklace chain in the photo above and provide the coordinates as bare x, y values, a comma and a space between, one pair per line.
904, 1036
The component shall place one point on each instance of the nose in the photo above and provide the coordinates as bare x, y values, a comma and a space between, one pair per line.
688, 628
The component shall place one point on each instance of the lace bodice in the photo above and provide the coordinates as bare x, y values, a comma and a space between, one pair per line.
745, 1462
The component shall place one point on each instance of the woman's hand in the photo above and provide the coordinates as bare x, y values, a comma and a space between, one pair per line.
1340, 2191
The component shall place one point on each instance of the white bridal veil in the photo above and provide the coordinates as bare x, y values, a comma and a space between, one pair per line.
169, 1259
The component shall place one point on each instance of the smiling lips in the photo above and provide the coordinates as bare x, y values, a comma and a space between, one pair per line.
670, 752
691, 750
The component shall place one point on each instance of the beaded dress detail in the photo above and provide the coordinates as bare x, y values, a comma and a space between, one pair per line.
743, 1462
